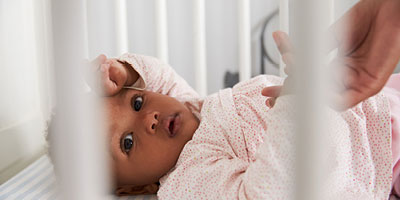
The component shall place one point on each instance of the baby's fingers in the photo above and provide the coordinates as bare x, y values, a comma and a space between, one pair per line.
288, 60
95, 64
99, 79
282, 41
285, 49
91, 69
273, 91
109, 86
270, 102
101, 59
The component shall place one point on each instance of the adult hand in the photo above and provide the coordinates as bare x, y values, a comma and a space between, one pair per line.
368, 42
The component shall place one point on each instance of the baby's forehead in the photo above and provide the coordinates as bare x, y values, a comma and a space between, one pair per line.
116, 100
117, 111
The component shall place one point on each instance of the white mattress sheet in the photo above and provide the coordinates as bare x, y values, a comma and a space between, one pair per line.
37, 181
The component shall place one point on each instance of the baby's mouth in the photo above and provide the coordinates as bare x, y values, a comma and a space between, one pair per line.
172, 124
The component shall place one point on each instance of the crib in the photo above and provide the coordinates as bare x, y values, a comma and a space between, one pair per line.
84, 178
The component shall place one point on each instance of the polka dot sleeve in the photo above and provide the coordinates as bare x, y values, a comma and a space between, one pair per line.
243, 150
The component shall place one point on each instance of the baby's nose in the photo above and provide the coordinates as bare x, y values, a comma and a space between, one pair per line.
153, 120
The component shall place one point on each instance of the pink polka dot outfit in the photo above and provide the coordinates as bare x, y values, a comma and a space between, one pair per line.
244, 150
392, 92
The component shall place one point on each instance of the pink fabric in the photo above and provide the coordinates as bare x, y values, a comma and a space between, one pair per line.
243, 150
392, 92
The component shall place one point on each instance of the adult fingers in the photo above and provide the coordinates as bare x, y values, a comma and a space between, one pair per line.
346, 99
351, 86
351, 29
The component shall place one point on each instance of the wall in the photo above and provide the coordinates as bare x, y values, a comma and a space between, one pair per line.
221, 33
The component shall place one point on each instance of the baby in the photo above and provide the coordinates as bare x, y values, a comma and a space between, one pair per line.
230, 145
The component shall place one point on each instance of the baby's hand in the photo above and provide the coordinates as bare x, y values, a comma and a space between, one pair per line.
107, 76
285, 49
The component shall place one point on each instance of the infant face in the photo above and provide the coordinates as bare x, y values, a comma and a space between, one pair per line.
148, 132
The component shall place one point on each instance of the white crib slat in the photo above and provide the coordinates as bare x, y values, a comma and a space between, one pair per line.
161, 29
244, 30
75, 136
85, 31
199, 38
121, 26
283, 26
308, 25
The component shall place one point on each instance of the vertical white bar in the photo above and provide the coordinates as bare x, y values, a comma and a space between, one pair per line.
308, 24
283, 26
102, 28
77, 139
161, 29
331, 8
199, 38
85, 33
332, 19
121, 26
43, 40
244, 40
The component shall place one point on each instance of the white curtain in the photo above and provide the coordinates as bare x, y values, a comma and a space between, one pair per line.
24, 82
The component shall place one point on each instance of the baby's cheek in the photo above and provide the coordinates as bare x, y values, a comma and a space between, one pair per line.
168, 158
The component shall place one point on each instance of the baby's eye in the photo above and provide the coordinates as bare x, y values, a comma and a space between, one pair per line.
127, 143
137, 103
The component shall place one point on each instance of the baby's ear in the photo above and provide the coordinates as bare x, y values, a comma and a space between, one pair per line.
136, 190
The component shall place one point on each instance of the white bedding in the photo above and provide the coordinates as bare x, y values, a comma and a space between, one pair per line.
37, 181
